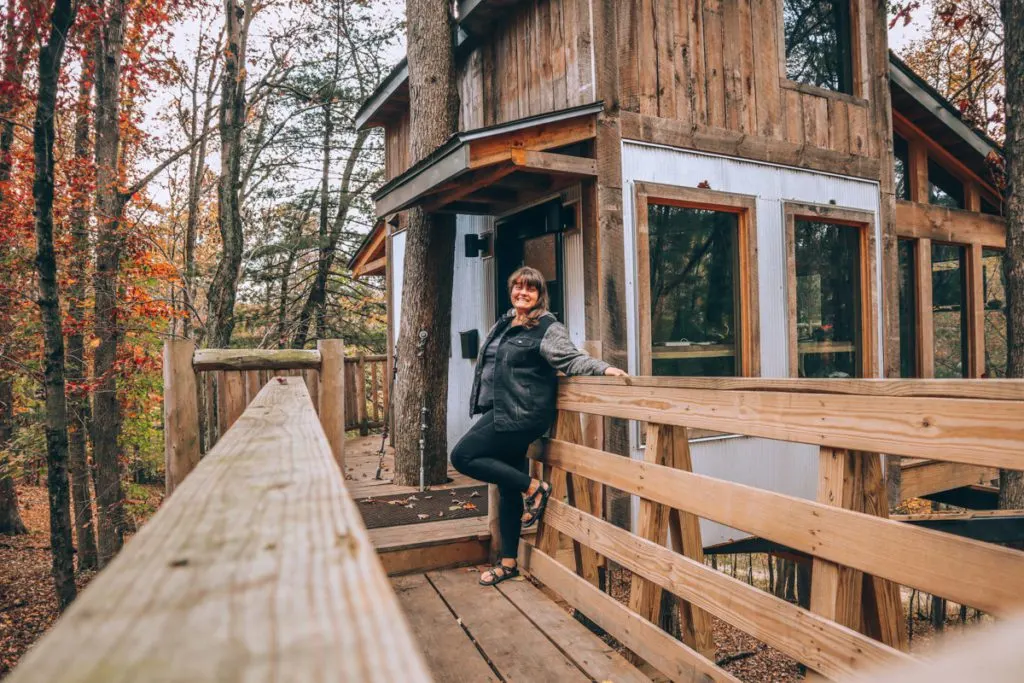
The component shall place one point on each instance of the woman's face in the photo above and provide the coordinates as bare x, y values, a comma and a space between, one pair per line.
524, 297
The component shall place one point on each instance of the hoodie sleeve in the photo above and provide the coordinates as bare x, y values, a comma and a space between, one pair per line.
558, 350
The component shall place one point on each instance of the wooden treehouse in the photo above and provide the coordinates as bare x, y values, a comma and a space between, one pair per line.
792, 244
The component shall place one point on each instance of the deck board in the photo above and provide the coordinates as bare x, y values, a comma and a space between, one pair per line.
514, 646
449, 652
593, 655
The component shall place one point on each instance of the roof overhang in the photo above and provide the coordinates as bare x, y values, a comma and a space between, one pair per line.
371, 257
494, 169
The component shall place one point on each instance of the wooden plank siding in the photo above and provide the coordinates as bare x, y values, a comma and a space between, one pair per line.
717, 64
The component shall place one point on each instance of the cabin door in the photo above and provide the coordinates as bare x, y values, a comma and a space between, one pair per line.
533, 237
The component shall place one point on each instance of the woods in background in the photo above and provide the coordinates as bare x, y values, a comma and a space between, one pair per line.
167, 168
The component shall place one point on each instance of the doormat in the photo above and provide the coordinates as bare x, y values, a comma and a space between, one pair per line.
429, 506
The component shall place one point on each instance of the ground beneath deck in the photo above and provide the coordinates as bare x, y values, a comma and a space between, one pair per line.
511, 632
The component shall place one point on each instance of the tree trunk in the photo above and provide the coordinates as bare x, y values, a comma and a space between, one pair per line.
316, 303
10, 517
1011, 482
424, 340
78, 397
50, 57
224, 286
106, 424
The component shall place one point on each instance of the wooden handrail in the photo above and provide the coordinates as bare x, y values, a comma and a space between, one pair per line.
258, 568
255, 359
977, 431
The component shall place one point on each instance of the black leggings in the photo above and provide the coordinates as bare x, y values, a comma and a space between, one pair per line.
498, 458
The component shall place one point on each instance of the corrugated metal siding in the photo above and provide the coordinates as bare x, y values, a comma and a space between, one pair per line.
777, 466
574, 309
398, 272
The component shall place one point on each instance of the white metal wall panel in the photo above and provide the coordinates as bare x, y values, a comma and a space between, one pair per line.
573, 286
777, 466
398, 272
472, 303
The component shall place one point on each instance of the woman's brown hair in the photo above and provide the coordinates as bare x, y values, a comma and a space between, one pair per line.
531, 277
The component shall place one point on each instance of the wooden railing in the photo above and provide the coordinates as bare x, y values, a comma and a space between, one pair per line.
860, 558
367, 392
207, 390
258, 568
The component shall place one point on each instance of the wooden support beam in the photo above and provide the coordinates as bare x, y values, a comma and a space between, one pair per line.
553, 164
483, 179
580, 493
255, 359
920, 220
230, 398
924, 477
923, 308
332, 396
684, 531
975, 312
652, 524
181, 413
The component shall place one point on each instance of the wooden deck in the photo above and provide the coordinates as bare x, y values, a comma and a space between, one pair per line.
413, 547
512, 632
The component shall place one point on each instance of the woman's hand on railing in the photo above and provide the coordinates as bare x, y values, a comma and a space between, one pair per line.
616, 372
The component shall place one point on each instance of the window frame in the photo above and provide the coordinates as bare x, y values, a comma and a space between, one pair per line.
748, 355
856, 62
864, 222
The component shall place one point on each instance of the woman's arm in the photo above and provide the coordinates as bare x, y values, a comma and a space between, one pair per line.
557, 349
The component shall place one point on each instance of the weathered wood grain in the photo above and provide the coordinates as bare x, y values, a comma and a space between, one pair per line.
181, 413
258, 568
254, 359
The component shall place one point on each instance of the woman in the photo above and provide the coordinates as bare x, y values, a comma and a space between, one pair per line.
515, 388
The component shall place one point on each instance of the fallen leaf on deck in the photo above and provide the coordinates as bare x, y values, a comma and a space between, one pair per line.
475, 494
422, 516
454, 507
469, 506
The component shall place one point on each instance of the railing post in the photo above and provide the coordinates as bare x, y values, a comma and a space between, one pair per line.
181, 412
332, 396
361, 396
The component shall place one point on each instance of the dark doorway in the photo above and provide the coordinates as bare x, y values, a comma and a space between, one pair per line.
532, 237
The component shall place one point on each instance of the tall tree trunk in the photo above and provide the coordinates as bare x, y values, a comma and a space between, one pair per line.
1011, 482
10, 517
78, 397
14, 62
429, 256
50, 58
316, 302
223, 287
106, 424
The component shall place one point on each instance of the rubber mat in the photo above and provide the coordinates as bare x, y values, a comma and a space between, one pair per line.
429, 506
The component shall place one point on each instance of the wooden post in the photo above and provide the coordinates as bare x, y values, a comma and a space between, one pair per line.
361, 396
332, 396
975, 312
181, 412
652, 524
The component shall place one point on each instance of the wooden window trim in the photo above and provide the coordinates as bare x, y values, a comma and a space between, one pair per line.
860, 79
744, 206
864, 221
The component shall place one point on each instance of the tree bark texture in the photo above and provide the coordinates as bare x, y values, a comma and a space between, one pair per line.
106, 423
10, 518
78, 398
1011, 482
421, 394
50, 57
224, 285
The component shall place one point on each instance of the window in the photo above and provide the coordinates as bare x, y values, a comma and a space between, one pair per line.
990, 208
908, 309
901, 167
830, 289
949, 308
994, 300
944, 189
696, 255
817, 34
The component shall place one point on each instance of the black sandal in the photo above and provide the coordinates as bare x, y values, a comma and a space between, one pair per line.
496, 578
534, 513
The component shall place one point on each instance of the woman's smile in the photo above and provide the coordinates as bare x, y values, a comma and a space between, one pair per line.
524, 298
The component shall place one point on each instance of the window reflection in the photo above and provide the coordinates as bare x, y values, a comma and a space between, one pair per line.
944, 189
949, 303
908, 313
828, 301
901, 167
817, 34
693, 289
994, 300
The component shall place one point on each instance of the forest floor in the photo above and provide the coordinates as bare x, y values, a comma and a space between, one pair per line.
28, 605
